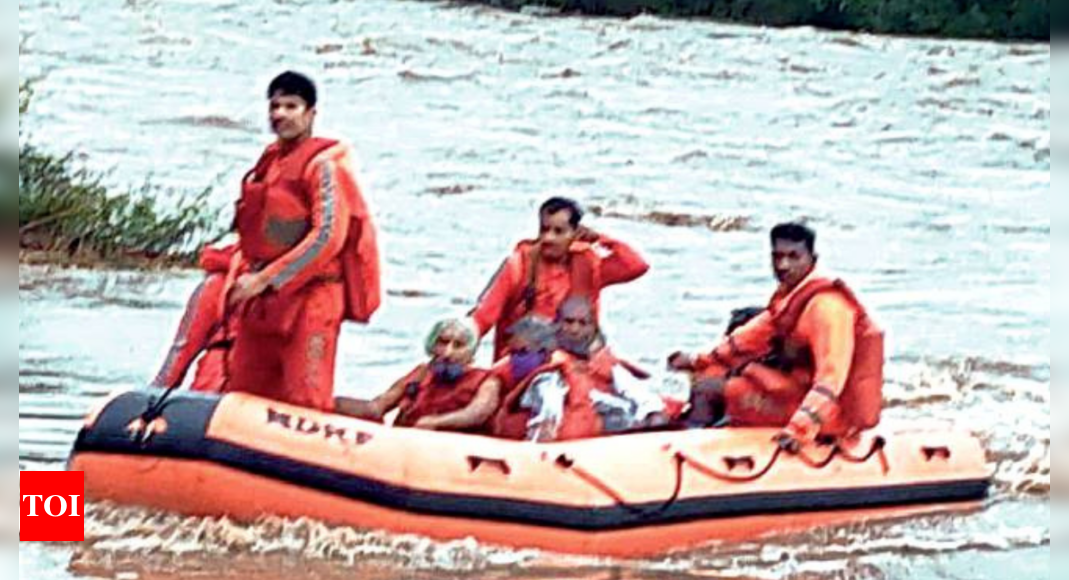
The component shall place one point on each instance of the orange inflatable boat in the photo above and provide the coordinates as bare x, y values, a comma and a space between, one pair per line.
624, 496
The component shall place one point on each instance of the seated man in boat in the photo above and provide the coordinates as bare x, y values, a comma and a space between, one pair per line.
583, 391
566, 259
434, 394
829, 352
706, 406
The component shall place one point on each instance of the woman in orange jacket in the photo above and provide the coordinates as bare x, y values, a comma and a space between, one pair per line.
532, 342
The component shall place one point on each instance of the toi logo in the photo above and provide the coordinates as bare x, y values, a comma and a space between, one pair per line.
51, 506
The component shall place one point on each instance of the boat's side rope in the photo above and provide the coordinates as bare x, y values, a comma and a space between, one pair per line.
730, 477
878, 447
682, 460
568, 464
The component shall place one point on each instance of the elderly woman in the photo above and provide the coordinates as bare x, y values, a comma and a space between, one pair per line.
430, 396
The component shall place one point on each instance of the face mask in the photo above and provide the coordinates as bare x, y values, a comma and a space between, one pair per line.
447, 372
579, 348
525, 363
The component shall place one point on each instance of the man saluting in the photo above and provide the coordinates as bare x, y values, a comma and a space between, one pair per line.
566, 260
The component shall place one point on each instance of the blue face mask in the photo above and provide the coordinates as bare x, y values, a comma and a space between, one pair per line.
447, 372
525, 363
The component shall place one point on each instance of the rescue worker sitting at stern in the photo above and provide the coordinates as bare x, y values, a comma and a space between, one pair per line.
435, 394
828, 376
583, 391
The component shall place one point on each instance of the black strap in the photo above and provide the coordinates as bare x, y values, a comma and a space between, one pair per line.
530, 290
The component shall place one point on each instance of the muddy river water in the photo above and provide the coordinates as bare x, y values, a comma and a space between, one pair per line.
925, 166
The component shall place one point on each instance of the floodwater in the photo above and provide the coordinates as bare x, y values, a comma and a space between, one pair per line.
924, 164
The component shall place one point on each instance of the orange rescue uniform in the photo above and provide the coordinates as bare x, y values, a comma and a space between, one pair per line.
835, 385
305, 228
204, 331
527, 285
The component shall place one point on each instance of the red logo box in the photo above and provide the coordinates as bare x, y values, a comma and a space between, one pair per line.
52, 506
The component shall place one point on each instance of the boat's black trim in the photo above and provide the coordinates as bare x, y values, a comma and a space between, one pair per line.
188, 418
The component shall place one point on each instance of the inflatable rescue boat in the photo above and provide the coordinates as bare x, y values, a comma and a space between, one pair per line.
624, 496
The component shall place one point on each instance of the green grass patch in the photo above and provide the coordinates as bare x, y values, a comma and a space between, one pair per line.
66, 214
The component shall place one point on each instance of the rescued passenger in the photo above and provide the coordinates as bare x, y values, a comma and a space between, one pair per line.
531, 344
583, 391
433, 394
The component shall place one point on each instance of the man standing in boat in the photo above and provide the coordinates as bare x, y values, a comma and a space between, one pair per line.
565, 260
829, 378
306, 260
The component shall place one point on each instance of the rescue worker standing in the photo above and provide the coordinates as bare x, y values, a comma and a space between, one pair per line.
833, 354
562, 262
308, 261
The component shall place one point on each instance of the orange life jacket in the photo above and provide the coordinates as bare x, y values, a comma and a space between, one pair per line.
215, 260
861, 402
582, 267
581, 419
425, 397
274, 216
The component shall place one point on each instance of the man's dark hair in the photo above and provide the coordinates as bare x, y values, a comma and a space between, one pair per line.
795, 232
555, 205
292, 84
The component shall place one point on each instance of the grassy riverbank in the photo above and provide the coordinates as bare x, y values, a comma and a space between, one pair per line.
67, 215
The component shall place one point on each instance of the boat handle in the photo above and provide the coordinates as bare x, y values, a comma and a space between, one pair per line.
748, 463
933, 453
475, 462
